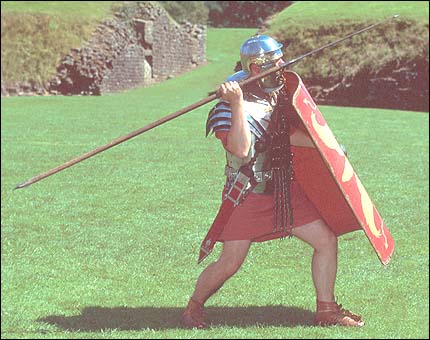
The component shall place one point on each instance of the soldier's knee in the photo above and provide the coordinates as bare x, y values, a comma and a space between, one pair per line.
329, 240
231, 265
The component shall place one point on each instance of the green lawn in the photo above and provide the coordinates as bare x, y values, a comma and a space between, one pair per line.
108, 248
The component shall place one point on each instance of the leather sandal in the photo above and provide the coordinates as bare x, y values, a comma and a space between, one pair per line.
194, 315
331, 313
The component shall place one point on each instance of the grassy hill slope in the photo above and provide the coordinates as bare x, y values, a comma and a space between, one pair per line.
35, 35
317, 13
384, 67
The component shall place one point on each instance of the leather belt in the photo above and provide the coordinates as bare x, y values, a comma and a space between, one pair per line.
260, 176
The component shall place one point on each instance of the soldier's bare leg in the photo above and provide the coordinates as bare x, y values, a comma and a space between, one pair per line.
324, 268
324, 260
212, 278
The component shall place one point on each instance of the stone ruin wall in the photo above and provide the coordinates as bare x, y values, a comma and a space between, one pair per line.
138, 47
159, 49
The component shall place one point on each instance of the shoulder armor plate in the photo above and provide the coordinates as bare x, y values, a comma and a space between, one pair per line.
257, 114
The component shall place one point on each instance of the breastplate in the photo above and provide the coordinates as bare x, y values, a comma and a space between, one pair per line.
258, 114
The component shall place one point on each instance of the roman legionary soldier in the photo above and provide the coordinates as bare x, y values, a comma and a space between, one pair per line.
276, 182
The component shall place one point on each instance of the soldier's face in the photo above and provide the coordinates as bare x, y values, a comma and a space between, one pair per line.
274, 80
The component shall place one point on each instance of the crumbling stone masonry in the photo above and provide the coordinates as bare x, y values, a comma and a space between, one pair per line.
141, 45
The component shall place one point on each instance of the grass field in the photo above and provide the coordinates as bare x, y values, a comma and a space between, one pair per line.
108, 248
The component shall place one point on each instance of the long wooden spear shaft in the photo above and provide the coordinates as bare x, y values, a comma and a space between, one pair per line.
184, 110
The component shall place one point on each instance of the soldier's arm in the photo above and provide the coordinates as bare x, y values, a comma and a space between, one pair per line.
239, 135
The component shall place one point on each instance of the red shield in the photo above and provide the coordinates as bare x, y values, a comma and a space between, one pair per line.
329, 180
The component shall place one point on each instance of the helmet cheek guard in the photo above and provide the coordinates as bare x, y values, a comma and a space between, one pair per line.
265, 52
273, 81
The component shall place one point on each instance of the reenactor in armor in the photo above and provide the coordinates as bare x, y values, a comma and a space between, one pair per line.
261, 199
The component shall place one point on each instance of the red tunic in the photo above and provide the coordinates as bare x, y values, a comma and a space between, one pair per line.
254, 218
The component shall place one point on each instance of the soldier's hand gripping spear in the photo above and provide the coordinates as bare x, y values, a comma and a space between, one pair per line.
187, 109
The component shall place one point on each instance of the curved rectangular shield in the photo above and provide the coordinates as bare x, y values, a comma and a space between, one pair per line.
329, 180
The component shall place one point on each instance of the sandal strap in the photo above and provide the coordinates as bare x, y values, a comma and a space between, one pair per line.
331, 313
194, 315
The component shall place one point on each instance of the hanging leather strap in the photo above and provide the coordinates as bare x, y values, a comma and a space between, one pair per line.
243, 184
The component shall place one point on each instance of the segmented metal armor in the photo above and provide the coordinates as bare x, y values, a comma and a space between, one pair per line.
258, 113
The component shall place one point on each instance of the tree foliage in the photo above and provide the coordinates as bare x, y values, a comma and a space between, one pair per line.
243, 13
224, 13
195, 12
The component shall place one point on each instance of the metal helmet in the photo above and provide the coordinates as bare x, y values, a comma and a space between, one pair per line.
263, 51
260, 50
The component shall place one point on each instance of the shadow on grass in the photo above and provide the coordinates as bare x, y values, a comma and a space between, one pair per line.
126, 318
